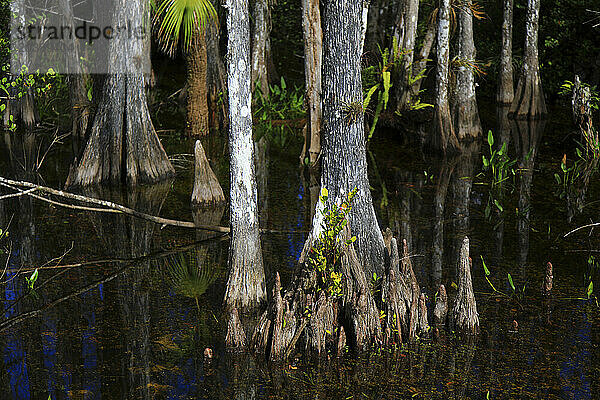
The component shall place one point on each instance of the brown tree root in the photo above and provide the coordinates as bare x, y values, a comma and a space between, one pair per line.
306, 318
207, 190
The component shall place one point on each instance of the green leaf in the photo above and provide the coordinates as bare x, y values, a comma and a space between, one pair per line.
369, 95
486, 163
590, 289
512, 285
498, 206
485, 268
490, 138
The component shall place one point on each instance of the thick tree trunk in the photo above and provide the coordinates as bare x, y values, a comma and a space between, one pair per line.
529, 101
123, 146
407, 46
197, 91
344, 160
505, 82
466, 114
246, 283
313, 50
442, 137
261, 17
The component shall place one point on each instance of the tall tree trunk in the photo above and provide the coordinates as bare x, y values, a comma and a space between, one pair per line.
216, 75
466, 115
262, 29
505, 82
529, 101
420, 63
197, 95
313, 51
407, 46
123, 146
442, 137
344, 160
246, 284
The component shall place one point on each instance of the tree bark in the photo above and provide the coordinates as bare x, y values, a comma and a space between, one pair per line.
505, 82
466, 115
207, 190
246, 283
313, 50
262, 29
216, 74
421, 62
197, 93
442, 137
529, 101
407, 46
344, 160
464, 314
123, 146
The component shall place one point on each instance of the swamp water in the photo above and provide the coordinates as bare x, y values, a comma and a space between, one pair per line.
134, 324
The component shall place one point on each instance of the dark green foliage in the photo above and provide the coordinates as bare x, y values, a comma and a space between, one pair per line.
276, 113
326, 253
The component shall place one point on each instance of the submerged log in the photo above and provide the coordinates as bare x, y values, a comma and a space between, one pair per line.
441, 307
464, 315
548, 278
207, 190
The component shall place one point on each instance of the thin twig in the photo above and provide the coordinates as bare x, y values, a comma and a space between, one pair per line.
20, 193
582, 227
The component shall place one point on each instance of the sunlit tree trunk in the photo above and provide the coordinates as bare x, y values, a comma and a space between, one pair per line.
313, 51
344, 160
246, 284
465, 112
197, 95
442, 136
505, 83
261, 17
407, 46
529, 101
123, 146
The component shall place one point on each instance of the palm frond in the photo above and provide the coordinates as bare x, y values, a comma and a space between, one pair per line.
179, 21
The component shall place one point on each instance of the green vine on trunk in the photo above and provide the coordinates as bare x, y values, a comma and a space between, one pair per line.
326, 253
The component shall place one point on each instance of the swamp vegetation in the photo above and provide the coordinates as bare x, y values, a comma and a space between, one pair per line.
304, 199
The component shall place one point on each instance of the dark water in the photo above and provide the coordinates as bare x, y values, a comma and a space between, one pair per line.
135, 322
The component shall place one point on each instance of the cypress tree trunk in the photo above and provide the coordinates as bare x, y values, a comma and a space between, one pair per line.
344, 160
505, 83
246, 284
197, 95
421, 62
466, 114
313, 50
216, 75
410, 18
123, 146
262, 29
529, 101
442, 136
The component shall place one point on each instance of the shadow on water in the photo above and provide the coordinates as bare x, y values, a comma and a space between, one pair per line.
147, 323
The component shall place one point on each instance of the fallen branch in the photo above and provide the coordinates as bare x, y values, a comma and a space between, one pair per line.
582, 227
111, 207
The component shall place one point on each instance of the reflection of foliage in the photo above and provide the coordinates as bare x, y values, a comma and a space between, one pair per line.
188, 277
573, 181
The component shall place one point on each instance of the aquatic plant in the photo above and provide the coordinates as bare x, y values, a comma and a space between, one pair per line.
499, 168
276, 108
325, 255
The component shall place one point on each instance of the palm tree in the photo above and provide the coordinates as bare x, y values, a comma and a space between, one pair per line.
182, 24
